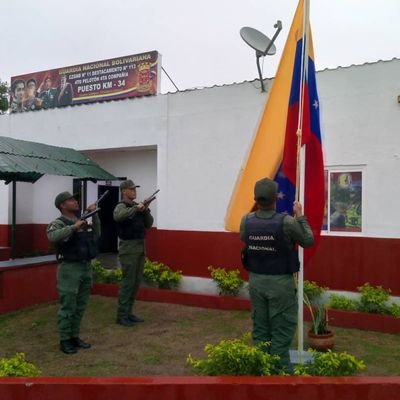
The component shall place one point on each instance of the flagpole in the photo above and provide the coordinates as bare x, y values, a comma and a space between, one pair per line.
300, 174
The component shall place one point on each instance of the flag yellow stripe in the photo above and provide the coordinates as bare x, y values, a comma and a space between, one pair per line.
266, 152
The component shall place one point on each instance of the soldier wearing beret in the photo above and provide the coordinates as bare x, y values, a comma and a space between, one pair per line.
271, 259
132, 220
76, 244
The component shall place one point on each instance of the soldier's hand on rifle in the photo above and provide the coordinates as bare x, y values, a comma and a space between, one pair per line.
91, 207
79, 224
141, 207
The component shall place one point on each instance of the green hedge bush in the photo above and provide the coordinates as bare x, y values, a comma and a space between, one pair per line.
237, 357
161, 274
229, 282
105, 275
373, 299
234, 357
330, 364
341, 302
17, 366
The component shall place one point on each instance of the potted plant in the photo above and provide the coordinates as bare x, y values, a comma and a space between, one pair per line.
320, 337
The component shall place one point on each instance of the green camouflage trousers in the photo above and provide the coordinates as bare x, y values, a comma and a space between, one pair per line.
132, 272
74, 283
274, 313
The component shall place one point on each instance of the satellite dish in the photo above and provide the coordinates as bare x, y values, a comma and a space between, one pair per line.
261, 43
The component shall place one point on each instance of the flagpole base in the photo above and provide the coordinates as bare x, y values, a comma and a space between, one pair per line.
300, 358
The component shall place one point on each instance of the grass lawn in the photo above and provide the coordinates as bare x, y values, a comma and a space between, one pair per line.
160, 345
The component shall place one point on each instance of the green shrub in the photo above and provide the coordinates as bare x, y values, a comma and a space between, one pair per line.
374, 298
105, 275
17, 366
169, 279
229, 282
152, 271
394, 310
235, 357
313, 291
330, 364
161, 274
340, 302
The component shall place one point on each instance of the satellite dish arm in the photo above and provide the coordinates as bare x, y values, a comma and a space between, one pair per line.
259, 71
278, 27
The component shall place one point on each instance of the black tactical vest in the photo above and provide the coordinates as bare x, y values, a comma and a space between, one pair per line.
81, 246
267, 250
133, 227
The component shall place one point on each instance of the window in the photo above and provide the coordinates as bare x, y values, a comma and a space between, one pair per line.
343, 200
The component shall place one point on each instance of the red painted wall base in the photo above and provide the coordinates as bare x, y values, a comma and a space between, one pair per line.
364, 321
30, 239
200, 388
340, 263
26, 286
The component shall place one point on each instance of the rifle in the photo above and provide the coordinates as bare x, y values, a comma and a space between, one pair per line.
88, 214
149, 199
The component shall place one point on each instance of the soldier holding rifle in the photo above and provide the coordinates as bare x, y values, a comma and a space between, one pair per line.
132, 220
76, 244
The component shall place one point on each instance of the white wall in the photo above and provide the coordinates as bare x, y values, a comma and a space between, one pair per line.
202, 137
35, 202
209, 133
138, 165
4, 200
361, 123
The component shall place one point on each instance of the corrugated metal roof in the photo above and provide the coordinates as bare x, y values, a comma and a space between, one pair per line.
25, 161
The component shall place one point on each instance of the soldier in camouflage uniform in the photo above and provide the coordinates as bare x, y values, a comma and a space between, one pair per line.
76, 244
271, 259
131, 219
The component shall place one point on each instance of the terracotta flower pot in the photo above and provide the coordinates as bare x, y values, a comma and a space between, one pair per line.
321, 342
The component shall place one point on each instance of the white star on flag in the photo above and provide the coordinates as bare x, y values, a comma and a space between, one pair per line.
281, 195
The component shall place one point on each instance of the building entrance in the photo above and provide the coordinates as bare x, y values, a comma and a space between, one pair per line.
109, 238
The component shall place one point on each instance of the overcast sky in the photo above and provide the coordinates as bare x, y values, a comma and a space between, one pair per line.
199, 40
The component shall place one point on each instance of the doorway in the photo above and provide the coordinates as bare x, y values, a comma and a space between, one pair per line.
108, 242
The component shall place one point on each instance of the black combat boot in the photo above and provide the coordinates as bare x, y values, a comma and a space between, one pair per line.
125, 321
135, 318
80, 344
67, 347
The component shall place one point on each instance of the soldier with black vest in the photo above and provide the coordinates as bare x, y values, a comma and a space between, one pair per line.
271, 258
76, 244
132, 220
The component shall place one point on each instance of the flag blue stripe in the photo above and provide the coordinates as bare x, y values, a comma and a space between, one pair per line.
314, 101
296, 76
287, 190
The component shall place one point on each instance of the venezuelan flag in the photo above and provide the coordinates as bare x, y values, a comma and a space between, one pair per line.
274, 152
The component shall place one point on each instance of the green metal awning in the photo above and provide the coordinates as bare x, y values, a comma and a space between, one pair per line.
25, 161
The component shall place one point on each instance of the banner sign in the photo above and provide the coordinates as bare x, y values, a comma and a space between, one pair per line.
116, 78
